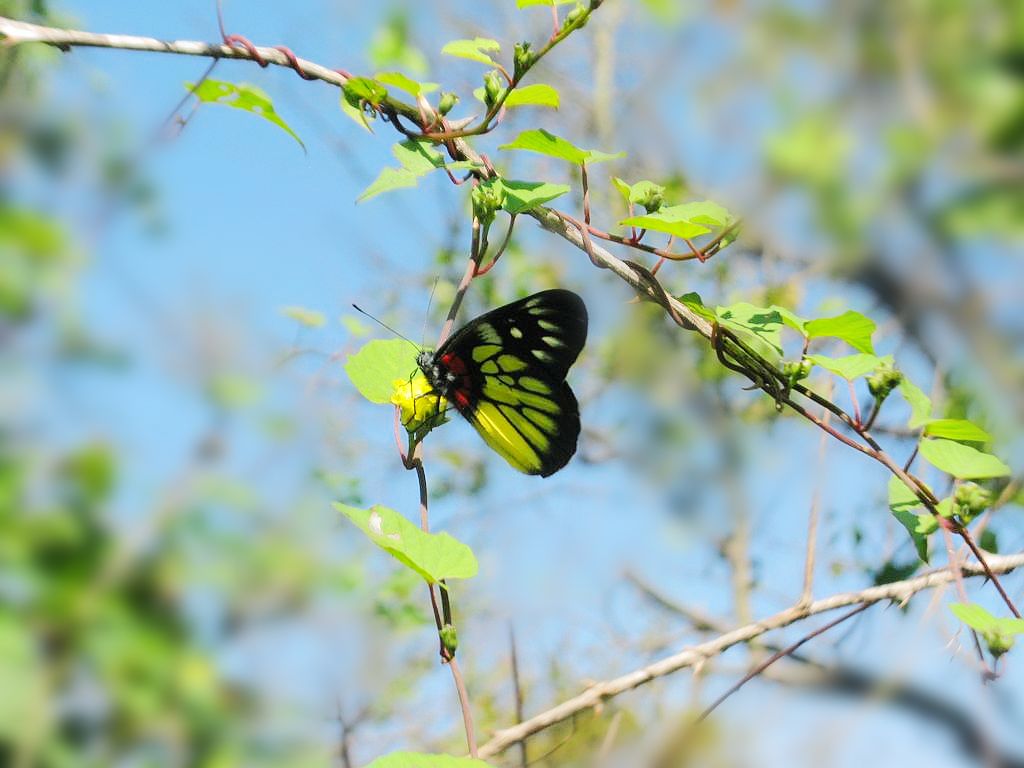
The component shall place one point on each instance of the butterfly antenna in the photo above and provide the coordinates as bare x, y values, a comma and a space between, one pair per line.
384, 325
426, 319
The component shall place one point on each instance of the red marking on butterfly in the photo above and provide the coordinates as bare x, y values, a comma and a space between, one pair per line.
454, 364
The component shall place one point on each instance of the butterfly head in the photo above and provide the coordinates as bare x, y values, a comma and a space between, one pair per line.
439, 370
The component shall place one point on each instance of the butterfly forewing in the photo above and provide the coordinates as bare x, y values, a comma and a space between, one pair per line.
505, 372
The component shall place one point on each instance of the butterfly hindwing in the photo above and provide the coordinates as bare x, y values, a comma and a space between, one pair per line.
505, 372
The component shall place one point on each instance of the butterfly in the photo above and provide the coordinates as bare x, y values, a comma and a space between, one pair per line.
504, 371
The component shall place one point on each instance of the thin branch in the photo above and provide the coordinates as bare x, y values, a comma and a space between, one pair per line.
955, 568
812, 521
467, 713
609, 739
518, 690
757, 670
899, 591
472, 267
701, 621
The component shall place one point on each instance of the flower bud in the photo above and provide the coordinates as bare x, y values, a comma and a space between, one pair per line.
421, 407
447, 102
493, 87
449, 638
883, 381
523, 59
577, 15
998, 642
487, 201
971, 500
796, 370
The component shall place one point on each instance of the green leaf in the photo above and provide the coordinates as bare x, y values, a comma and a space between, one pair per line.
364, 89
473, 49
974, 616
902, 502
684, 221
407, 84
901, 496
998, 633
962, 461
852, 327
420, 760
637, 193
355, 114
945, 508
307, 317
418, 157
243, 96
388, 180
434, 556
918, 526
852, 366
892, 571
920, 404
521, 196
989, 541
597, 156
540, 141
961, 430
1010, 626
791, 319
538, 95
696, 305
378, 364
761, 325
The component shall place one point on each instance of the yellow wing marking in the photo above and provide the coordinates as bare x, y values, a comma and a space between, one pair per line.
499, 433
534, 385
485, 351
542, 420
496, 390
488, 333
511, 363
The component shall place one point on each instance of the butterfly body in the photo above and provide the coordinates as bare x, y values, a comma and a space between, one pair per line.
505, 373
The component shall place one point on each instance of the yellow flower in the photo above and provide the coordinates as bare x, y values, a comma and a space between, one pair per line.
422, 407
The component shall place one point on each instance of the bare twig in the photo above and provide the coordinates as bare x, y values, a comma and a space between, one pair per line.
762, 666
467, 713
812, 521
518, 689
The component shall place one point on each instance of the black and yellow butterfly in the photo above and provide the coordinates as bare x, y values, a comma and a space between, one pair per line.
505, 372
